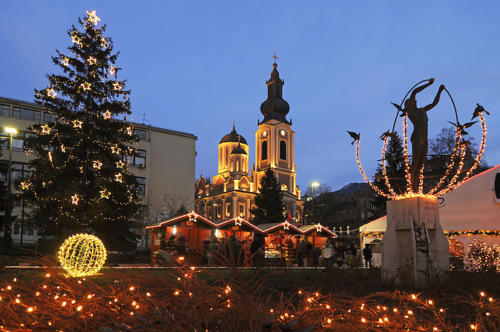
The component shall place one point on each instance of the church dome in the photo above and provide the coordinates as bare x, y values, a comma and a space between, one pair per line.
233, 137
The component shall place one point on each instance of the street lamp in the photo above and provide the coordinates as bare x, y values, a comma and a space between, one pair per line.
313, 185
7, 199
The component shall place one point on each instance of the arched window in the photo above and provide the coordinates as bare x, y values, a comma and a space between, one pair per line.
283, 150
264, 150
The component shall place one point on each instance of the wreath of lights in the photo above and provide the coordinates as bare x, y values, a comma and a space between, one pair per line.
82, 255
451, 177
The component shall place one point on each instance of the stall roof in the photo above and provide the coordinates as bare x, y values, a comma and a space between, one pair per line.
262, 228
239, 222
286, 226
318, 228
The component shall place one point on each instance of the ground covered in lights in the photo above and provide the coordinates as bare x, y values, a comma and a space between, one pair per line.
190, 299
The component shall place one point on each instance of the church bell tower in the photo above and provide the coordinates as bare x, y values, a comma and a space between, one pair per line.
274, 141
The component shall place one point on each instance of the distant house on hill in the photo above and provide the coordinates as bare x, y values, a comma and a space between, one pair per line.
472, 211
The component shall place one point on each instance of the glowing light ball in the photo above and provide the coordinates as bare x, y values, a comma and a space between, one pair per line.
82, 255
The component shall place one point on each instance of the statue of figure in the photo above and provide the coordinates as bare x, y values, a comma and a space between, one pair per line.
418, 117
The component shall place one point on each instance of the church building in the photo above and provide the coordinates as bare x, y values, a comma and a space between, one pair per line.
231, 192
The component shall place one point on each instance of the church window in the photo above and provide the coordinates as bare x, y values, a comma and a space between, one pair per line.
283, 150
228, 209
264, 150
242, 210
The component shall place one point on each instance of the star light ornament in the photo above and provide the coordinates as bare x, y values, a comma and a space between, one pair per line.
75, 199
112, 70
25, 185
77, 123
106, 115
120, 164
93, 18
318, 227
117, 86
104, 42
51, 93
130, 130
97, 164
45, 129
92, 61
237, 222
104, 193
119, 177
65, 61
192, 217
286, 226
85, 86
75, 39
115, 149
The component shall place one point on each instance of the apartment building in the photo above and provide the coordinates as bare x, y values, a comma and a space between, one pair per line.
164, 166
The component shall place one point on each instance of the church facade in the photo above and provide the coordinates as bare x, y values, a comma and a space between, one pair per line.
231, 192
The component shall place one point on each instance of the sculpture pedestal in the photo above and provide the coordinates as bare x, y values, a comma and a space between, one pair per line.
414, 248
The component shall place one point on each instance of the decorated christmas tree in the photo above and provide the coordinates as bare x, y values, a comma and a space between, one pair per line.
269, 200
79, 178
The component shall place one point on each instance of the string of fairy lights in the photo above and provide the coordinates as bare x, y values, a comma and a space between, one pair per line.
452, 177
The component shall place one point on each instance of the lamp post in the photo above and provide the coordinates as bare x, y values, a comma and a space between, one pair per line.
313, 184
8, 199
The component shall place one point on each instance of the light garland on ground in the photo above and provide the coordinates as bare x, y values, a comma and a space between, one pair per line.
82, 255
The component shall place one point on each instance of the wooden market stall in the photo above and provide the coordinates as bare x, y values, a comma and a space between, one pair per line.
192, 235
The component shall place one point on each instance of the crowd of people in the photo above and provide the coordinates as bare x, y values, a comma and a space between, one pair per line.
251, 252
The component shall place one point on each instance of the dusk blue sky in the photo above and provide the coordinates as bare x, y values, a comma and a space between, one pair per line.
197, 66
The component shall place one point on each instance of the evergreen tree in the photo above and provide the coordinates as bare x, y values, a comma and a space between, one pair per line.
269, 200
394, 154
79, 181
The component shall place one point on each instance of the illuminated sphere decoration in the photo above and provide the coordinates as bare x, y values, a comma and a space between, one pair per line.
82, 255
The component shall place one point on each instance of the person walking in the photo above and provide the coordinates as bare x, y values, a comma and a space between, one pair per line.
367, 254
328, 254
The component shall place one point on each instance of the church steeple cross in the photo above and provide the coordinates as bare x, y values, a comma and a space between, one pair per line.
275, 57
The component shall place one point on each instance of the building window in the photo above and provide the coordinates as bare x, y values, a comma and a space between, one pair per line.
137, 160
17, 227
30, 229
219, 210
18, 142
142, 134
228, 209
47, 117
4, 110
264, 150
19, 171
25, 114
141, 184
283, 150
497, 185
242, 210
